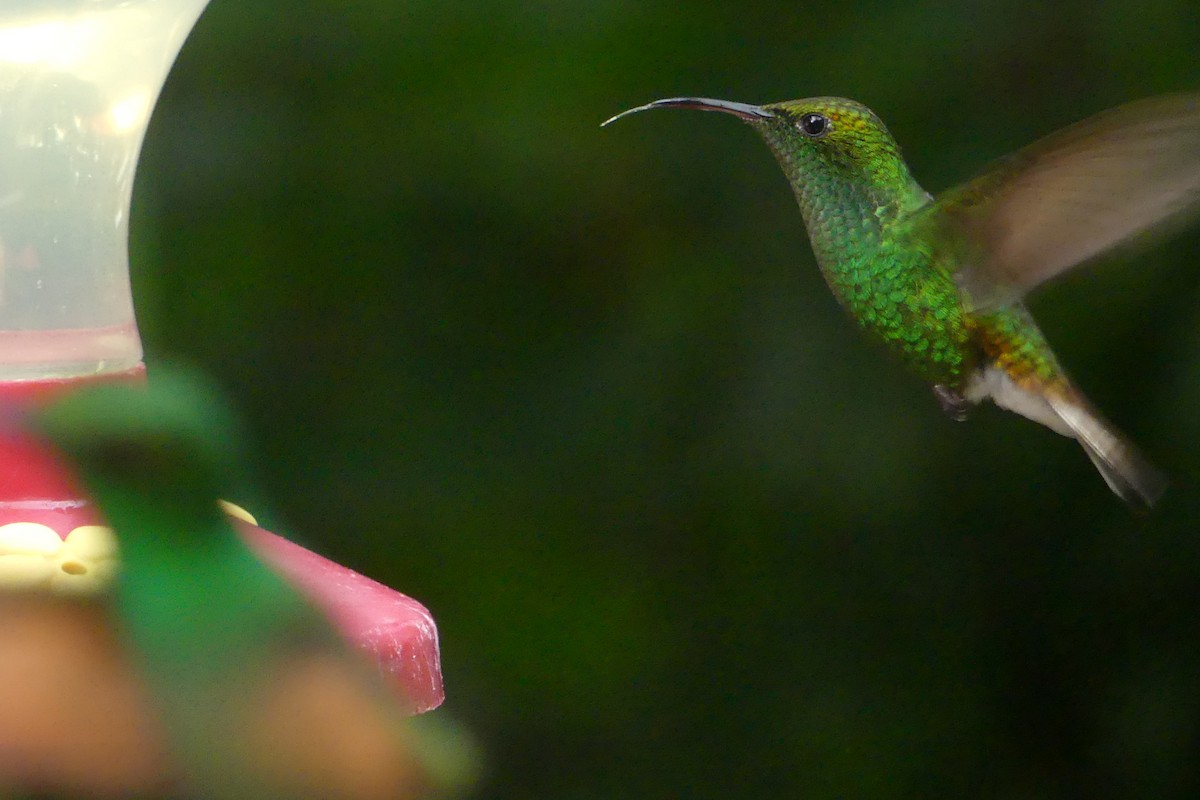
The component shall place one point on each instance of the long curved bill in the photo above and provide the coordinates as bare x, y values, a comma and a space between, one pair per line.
743, 110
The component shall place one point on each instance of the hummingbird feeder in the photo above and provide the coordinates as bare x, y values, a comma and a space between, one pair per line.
78, 82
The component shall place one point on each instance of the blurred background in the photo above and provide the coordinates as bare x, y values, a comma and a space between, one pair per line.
584, 393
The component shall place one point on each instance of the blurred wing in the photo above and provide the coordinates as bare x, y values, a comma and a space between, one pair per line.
1071, 196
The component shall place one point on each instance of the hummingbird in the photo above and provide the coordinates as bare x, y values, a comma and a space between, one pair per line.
941, 279
253, 685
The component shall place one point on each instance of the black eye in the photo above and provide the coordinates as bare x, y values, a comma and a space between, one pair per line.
814, 125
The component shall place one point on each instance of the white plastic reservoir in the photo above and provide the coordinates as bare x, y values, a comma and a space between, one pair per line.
78, 81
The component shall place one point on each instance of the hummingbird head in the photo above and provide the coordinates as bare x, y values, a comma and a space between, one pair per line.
832, 150
825, 135
174, 439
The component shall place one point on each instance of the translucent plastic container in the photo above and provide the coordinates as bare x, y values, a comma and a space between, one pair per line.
78, 80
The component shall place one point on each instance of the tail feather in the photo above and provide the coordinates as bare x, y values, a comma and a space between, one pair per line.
1126, 471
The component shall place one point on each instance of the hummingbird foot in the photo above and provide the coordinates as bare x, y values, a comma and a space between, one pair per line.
953, 403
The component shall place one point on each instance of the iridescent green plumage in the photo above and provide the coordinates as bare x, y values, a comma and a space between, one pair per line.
940, 280
225, 645
859, 202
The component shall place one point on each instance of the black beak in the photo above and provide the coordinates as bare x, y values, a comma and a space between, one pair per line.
743, 110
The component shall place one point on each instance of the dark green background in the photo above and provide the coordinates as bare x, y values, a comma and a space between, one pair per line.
584, 393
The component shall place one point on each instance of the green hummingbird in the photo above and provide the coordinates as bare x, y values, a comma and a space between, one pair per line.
940, 280
240, 664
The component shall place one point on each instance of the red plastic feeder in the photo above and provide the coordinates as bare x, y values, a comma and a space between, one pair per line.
81, 80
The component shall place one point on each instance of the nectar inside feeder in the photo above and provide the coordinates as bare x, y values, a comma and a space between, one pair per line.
78, 82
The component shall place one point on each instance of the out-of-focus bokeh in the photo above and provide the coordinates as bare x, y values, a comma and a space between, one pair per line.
584, 393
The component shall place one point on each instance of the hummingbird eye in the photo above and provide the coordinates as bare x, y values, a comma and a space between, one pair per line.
814, 125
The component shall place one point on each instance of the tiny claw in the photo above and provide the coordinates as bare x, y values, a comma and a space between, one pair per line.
953, 404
